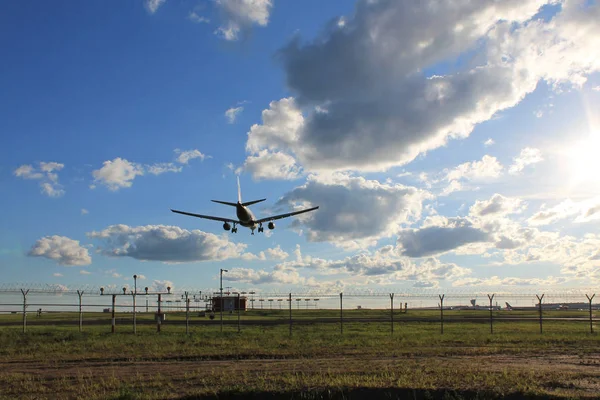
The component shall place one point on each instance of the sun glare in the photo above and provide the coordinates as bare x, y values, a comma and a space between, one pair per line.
584, 160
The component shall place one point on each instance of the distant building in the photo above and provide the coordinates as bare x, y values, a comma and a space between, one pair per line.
230, 303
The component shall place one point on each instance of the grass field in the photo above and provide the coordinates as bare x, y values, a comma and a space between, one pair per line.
54, 360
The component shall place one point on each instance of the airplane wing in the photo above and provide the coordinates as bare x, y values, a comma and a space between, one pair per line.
280, 216
207, 217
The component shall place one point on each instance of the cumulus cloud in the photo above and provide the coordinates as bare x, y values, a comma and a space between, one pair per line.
496, 281
489, 142
528, 156
582, 211
162, 286
378, 110
84, 211
46, 173
279, 275
240, 15
444, 235
61, 249
84, 272
353, 211
169, 244
153, 5
118, 173
272, 165
497, 205
487, 168
232, 113
57, 274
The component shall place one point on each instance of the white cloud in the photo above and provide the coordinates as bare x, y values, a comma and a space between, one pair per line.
583, 211
489, 142
84, 211
232, 113
84, 272
162, 286
382, 112
48, 178
241, 14
596, 88
528, 156
169, 244
161, 168
185, 156
153, 5
272, 165
497, 205
353, 211
487, 168
141, 277
496, 281
61, 249
57, 274
198, 19
118, 173
116, 275
277, 253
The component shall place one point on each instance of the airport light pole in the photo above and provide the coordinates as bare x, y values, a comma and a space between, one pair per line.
221, 307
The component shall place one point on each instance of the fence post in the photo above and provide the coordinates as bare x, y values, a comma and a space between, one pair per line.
24, 292
113, 320
491, 315
80, 294
540, 304
392, 310
341, 314
158, 316
187, 313
590, 300
441, 296
239, 305
290, 301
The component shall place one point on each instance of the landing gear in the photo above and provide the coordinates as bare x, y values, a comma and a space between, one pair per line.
260, 228
234, 229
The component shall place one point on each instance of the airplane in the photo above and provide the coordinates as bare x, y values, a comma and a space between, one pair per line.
245, 216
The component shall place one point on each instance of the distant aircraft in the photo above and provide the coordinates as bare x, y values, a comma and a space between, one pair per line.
245, 216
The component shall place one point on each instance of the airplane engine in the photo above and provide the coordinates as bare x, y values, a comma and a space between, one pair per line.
226, 226
271, 225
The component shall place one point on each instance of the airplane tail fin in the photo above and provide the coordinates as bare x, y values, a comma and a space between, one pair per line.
225, 202
239, 190
249, 203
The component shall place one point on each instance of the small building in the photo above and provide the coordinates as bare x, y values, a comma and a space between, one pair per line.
230, 303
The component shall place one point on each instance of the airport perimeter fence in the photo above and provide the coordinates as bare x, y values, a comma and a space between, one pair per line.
126, 309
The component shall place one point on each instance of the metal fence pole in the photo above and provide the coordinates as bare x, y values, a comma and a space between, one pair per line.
158, 315
341, 314
239, 305
392, 310
113, 320
491, 315
187, 313
290, 301
591, 320
540, 304
441, 296
80, 294
24, 292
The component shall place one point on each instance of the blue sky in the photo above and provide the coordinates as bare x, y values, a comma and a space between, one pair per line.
442, 150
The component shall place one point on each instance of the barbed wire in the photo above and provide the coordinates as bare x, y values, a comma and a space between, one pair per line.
462, 293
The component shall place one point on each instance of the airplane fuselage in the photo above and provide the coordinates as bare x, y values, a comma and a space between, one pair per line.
245, 216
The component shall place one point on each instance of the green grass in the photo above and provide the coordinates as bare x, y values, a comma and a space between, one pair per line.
316, 359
